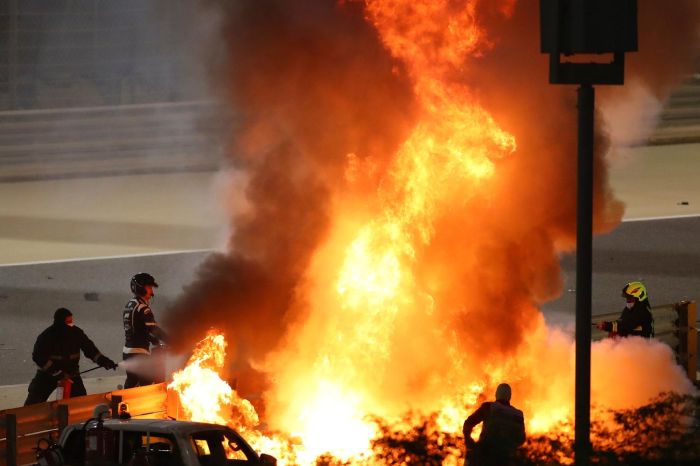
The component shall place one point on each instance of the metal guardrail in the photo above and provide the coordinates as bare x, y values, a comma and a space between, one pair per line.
101, 141
679, 122
21, 428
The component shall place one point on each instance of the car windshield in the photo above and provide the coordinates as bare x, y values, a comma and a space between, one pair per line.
153, 449
221, 448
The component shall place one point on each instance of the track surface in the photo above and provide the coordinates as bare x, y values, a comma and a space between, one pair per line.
95, 290
663, 253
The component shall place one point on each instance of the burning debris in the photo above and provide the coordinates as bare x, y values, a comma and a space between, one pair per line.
664, 431
409, 189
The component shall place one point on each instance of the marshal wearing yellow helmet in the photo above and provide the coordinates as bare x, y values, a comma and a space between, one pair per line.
636, 318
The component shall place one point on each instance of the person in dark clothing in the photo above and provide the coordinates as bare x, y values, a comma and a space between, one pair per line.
57, 353
636, 318
140, 332
502, 431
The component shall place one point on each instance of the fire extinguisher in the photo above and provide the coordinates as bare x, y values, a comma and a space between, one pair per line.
49, 455
64, 387
99, 442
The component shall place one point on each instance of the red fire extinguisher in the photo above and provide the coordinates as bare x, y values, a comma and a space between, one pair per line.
63, 389
99, 443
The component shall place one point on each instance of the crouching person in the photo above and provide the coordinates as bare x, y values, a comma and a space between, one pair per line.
57, 353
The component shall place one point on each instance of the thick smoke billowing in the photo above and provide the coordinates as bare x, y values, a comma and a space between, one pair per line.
531, 215
309, 84
312, 82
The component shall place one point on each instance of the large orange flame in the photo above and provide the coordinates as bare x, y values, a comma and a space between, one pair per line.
388, 323
365, 281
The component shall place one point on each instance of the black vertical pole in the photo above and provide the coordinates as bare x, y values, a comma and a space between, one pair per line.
63, 414
11, 439
114, 405
584, 268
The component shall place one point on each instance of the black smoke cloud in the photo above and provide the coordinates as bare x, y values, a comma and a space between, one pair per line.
308, 83
528, 216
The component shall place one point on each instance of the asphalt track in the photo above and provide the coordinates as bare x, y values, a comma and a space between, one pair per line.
665, 253
94, 289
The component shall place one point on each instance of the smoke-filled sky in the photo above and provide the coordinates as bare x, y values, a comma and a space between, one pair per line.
409, 187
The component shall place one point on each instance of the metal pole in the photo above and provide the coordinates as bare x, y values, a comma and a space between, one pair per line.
11, 439
63, 414
584, 268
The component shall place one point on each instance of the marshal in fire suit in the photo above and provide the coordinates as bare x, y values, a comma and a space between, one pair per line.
140, 332
57, 353
502, 431
636, 318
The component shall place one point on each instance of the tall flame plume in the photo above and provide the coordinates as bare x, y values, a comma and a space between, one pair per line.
404, 272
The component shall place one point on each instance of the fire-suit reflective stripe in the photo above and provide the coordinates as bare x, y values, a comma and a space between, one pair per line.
151, 324
127, 350
637, 328
614, 326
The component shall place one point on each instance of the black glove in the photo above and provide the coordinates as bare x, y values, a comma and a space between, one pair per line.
107, 363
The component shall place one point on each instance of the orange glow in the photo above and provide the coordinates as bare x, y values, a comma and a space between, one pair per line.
366, 293
410, 303
206, 397
203, 394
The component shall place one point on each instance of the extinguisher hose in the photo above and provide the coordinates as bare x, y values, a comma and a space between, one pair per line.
90, 370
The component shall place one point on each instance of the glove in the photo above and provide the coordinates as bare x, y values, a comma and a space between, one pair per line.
107, 363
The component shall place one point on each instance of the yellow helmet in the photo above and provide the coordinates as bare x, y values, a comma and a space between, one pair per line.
635, 290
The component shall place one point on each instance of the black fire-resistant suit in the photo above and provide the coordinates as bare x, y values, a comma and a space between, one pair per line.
140, 331
636, 320
57, 353
502, 432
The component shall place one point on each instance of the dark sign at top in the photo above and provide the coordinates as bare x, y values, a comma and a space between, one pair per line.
571, 27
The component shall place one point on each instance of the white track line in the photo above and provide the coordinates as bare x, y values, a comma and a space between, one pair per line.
108, 108
662, 217
123, 256
188, 251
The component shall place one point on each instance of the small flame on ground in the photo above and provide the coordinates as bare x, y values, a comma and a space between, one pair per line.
203, 394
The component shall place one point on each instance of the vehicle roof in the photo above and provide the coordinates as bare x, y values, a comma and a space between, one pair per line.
159, 425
